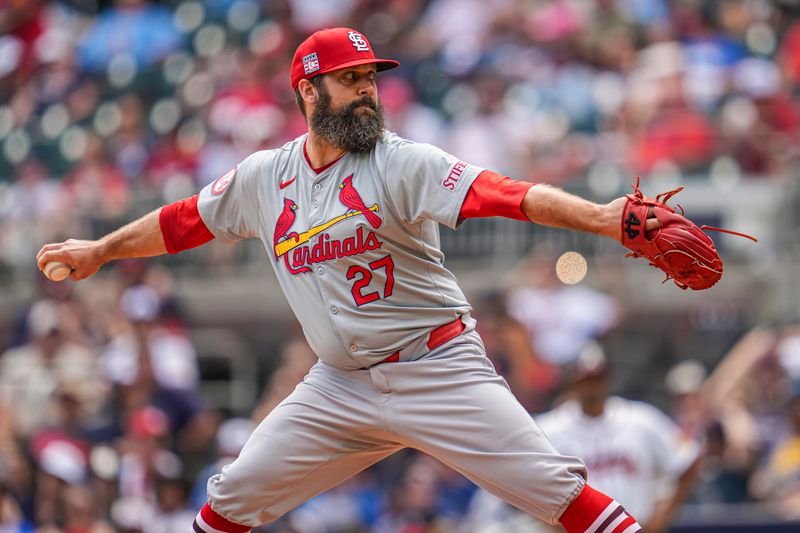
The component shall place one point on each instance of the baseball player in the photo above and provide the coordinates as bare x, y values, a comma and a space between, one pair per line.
633, 450
349, 214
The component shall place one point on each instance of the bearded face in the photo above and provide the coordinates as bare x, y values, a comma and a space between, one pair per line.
356, 127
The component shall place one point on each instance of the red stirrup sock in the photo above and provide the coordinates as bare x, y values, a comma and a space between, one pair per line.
207, 521
594, 512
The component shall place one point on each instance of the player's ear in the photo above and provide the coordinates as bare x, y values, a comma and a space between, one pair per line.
308, 92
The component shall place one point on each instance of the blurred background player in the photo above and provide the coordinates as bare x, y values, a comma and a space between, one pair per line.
632, 449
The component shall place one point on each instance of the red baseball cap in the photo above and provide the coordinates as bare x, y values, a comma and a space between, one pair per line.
333, 49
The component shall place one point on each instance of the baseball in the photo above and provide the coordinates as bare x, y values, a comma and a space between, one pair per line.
571, 268
57, 271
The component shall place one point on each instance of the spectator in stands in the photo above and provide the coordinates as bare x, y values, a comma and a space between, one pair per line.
726, 429
96, 186
172, 509
296, 359
15, 475
354, 505
508, 345
31, 373
671, 130
137, 29
11, 517
559, 318
62, 464
230, 438
82, 512
779, 479
149, 349
414, 502
30, 212
406, 115
788, 55
131, 144
21, 24
788, 352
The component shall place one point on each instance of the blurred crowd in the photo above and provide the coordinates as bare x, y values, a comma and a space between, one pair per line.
106, 424
110, 108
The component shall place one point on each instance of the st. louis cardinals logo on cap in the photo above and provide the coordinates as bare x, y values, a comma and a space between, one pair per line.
325, 248
358, 41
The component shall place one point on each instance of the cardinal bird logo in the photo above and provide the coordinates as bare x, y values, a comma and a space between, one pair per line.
350, 198
284, 223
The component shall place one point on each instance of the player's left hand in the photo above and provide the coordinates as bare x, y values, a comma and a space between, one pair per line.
615, 210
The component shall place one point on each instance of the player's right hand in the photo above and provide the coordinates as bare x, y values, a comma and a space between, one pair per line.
85, 257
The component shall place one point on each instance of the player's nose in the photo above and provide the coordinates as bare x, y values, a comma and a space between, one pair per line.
366, 88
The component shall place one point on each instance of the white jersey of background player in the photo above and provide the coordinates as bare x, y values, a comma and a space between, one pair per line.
632, 449
349, 216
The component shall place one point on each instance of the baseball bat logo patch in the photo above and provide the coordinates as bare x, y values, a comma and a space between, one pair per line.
298, 255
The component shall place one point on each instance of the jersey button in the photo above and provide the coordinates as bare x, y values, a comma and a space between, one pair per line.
353, 348
334, 310
320, 270
317, 186
315, 204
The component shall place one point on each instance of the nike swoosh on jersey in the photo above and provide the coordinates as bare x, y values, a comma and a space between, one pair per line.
283, 184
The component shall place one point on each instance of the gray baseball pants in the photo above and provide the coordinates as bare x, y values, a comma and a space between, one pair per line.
450, 404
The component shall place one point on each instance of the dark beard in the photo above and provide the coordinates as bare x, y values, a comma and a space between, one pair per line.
354, 132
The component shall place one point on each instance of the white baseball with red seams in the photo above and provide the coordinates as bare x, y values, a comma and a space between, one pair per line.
57, 271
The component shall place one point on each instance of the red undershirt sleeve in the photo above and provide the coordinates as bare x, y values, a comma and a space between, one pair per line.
182, 226
492, 194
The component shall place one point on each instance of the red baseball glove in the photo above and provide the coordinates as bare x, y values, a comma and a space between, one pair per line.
682, 250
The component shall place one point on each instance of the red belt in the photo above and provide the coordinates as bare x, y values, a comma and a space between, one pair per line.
439, 336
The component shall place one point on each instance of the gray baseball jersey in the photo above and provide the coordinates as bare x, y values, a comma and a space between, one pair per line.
356, 251
355, 247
